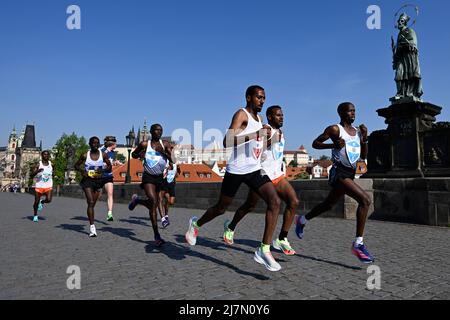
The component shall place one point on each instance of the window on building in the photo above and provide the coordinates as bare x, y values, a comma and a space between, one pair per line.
187, 174
13, 145
123, 174
13, 157
139, 174
201, 175
208, 175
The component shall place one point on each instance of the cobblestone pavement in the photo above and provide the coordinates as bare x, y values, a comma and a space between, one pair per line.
123, 263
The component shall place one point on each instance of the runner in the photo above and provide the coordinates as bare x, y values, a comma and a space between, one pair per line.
109, 148
44, 183
92, 183
167, 193
156, 155
349, 145
273, 166
246, 136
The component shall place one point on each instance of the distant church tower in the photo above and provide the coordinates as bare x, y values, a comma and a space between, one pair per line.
11, 153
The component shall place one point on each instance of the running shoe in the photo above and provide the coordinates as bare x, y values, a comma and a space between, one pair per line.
93, 233
109, 216
35, 219
133, 203
284, 245
165, 222
299, 226
192, 233
267, 260
360, 251
40, 206
159, 242
228, 235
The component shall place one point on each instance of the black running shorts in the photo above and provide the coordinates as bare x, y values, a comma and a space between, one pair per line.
339, 172
169, 188
232, 182
94, 184
157, 181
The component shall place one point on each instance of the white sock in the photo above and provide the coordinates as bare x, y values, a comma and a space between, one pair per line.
359, 241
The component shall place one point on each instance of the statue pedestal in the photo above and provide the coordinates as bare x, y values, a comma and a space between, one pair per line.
412, 145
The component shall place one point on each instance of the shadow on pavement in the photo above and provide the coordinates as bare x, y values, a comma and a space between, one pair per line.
73, 227
31, 218
124, 233
135, 222
86, 219
329, 262
177, 251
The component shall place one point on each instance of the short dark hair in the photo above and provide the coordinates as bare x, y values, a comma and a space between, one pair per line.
252, 90
110, 138
344, 105
153, 127
46, 151
92, 140
271, 110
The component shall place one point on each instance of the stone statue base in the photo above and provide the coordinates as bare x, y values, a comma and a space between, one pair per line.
413, 145
403, 100
70, 177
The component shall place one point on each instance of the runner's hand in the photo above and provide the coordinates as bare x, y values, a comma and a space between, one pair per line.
339, 144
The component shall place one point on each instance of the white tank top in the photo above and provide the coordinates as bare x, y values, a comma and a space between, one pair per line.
350, 154
246, 157
44, 179
154, 163
272, 158
93, 168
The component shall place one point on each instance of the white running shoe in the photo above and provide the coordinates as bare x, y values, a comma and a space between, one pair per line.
192, 233
267, 260
93, 233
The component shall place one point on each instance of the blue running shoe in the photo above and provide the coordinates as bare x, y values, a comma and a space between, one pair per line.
360, 251
299, 226
40, 206
133, 203
35, 219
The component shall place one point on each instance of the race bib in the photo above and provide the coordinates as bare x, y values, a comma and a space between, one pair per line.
353, 149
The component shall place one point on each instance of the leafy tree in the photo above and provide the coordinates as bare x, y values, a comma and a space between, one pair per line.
293, 163
302, 176
26, 171
120, 157
60, 156
324, 157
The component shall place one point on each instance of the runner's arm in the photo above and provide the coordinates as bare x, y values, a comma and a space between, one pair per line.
137, 153
364, 141
78, 164
332, 132
231, 139
107, 161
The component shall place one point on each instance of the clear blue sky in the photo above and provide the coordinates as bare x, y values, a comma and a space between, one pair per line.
178, 61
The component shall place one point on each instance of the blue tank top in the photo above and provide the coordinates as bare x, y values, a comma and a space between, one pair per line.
112, 158
154, 163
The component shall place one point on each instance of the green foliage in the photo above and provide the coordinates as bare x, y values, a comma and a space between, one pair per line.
322, 158
293, 163
60, 156
120, 157
302, 176
29, 167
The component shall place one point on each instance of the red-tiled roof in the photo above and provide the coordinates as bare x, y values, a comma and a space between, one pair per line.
197, 173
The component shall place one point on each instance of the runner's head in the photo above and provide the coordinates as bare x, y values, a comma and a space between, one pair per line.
156, 131
347, 112
45, 155
275, 117
110, 142
255, 96
94, 143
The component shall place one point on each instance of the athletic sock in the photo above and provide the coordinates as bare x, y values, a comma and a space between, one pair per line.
195, 225
265, 248
359, 241
283, 235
